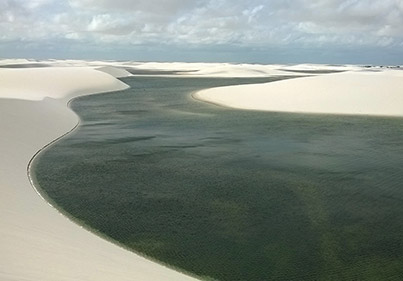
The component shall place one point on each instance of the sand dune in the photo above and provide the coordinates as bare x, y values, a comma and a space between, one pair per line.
56, 82
187, 69
213, 69
37, 242
362, 92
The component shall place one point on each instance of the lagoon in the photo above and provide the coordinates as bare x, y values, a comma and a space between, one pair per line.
229, 194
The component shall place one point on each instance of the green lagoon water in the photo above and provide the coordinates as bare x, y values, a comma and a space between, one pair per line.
229, 194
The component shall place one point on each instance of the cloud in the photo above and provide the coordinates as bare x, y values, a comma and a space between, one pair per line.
162, 8
107, 24
236, 23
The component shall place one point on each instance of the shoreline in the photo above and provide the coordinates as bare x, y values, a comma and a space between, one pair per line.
36, 155
66, 215
35, 233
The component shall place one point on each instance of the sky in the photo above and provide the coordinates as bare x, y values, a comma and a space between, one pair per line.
254, 31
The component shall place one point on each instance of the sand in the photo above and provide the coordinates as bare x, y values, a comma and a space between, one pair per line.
37, 242
357, 92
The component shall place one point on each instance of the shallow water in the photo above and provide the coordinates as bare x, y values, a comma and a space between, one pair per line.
230, 194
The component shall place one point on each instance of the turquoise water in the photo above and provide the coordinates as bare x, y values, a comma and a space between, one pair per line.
230, 194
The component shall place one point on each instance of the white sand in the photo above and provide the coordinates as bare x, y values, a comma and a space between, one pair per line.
36, 242
359, 92
56, 82
189, 69
214, 69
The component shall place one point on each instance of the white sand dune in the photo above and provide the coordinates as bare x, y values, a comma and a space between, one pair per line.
189, 69
236, 70
363, 93
213, 69
313, 67
37, 242
14, 61
241, 70
56, 82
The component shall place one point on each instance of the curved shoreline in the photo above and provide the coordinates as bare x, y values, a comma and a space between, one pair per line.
65, 214
36, 243
32, 160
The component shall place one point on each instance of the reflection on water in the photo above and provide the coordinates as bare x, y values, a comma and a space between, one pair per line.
233, 195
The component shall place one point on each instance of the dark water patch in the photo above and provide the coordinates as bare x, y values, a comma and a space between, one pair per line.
146, 72
234, 195
97, 123
131, 112
316, 71
130, 139
25, 65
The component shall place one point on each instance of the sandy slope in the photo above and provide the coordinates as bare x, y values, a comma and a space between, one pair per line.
36, 242
359, 92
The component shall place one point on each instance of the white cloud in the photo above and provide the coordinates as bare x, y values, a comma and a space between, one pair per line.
206, 22
163, 8
107, 24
